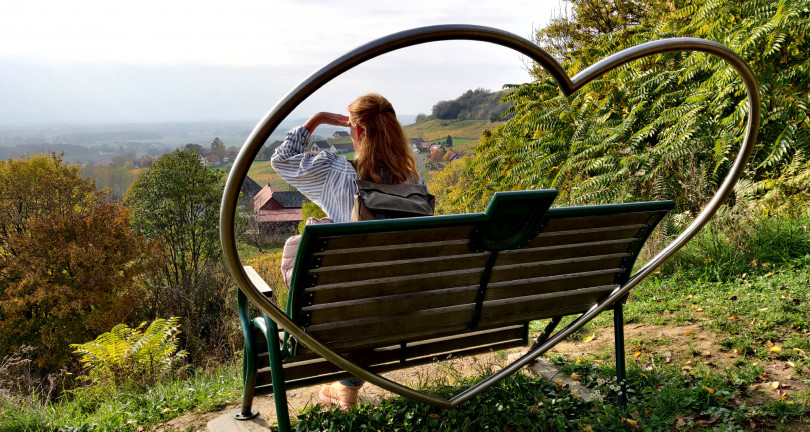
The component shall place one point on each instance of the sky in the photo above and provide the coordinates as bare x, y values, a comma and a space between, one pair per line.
102, 61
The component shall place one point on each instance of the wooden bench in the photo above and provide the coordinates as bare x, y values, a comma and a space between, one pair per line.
393, 294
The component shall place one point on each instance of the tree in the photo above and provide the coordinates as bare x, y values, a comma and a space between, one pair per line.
665, 126
69, 261
218, 147
175, 204
449, 141
194, 148
582, 22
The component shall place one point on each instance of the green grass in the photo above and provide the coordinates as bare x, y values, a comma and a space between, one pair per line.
657, 400
436, 129
122, 409
757, 311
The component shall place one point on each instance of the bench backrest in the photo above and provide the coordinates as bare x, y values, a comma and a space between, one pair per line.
363, 285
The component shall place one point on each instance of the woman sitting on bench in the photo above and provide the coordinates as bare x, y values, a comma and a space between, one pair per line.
382, 155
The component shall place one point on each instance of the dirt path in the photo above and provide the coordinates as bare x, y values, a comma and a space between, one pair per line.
688, 346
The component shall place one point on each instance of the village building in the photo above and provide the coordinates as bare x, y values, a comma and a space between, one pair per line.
340, 134
418, 145
317, 146
439, 148
342, 148
278, 212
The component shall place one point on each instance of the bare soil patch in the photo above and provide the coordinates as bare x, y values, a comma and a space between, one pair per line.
647, 345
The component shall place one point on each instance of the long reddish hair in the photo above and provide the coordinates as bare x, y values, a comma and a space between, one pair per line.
383, 147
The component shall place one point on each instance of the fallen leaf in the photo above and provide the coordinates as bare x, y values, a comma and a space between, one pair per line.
774, 384
631, 422
776, 348
587, 428
699, 309
791, 364
434, 416
638, 326
575, 376
708, 389
687, 332
800, 351
637, 353
689, 296
754, 263
589, 338
706, 353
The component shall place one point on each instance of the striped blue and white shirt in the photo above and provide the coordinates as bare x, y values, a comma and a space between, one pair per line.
324, 178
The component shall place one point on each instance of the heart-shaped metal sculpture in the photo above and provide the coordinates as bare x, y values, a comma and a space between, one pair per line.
568, 85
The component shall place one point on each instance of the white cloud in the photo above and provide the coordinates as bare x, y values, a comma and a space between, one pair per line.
240, 57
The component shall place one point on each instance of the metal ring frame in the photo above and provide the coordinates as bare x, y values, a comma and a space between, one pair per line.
485, 34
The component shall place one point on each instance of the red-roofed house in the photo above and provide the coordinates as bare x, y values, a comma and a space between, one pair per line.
278, 212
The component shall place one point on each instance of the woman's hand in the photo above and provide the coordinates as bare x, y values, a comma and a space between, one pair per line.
320, 118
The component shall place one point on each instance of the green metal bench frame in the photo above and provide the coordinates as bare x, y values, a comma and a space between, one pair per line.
515, 263
250, 291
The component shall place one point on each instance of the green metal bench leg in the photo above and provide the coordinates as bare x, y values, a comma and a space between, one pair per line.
277, 375
618, 334
248, 362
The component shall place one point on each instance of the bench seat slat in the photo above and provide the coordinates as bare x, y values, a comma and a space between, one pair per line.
568, 237
391, 286
461, 232
573, 281
326, 372
401, 304
563, 252
507, 273
427, 249
427, 320
357, 342
562, 223
408, 267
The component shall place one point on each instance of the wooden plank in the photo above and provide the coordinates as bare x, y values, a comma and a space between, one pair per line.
556, 238
528, 287
596, 221
400, 304
566, 251
312, 379
551, 268
399, 237
397, 285
454, 345
397, 269
491, 319
258, 282
540, 306
360, 341
335, 257
421, 319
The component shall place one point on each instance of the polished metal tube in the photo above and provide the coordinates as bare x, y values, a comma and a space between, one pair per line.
485, 34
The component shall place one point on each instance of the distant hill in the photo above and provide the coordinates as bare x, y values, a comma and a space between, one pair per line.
479, 104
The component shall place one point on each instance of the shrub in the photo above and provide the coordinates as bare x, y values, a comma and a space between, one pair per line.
127, 356
268, 266
737, 242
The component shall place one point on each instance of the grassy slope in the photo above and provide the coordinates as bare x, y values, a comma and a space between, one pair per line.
432, 130
756, 373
